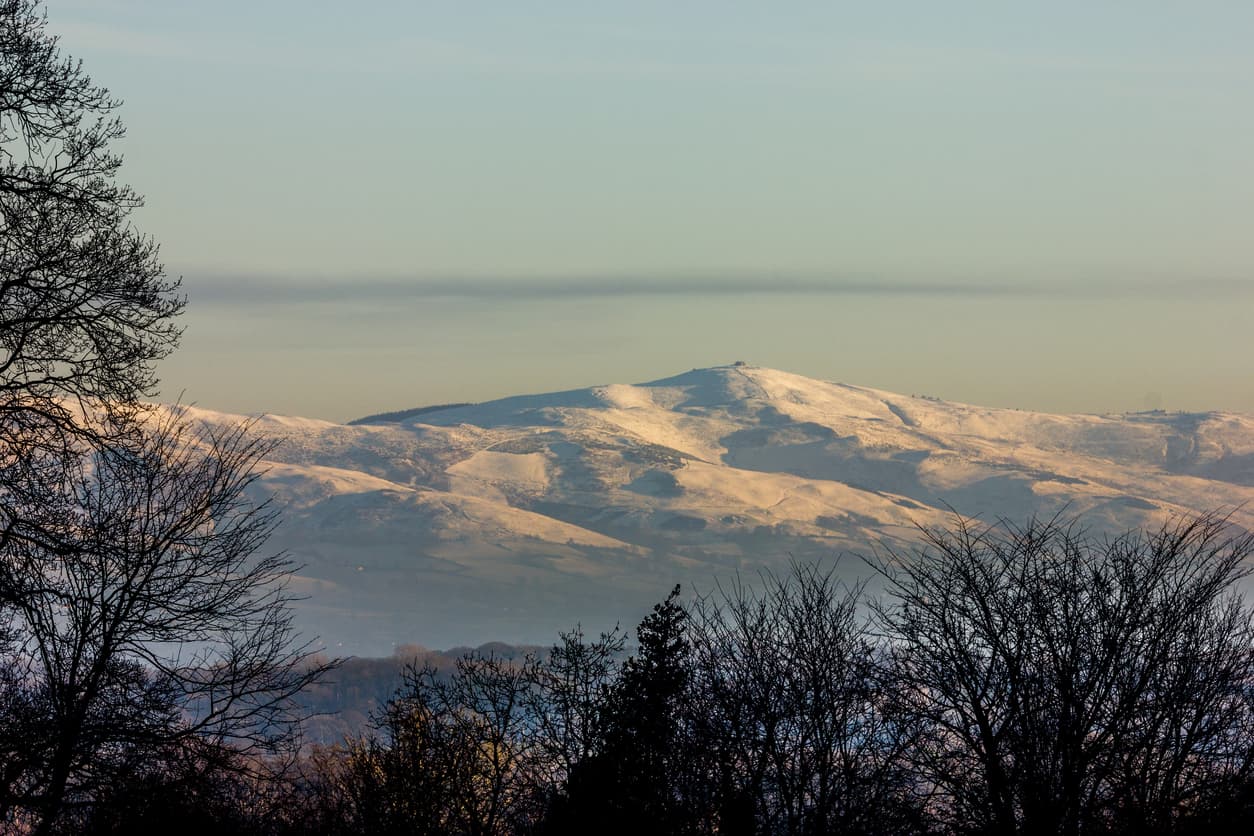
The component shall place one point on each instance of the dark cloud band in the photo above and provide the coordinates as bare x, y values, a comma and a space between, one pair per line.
244, 290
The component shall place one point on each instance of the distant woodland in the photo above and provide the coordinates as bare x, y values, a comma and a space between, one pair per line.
404, 414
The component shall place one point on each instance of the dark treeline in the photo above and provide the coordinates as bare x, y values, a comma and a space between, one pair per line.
402, 414
1007, 680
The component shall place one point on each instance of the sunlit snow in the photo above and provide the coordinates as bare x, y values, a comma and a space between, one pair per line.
512, 519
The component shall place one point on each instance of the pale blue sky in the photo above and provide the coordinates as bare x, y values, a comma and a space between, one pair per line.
1044, 205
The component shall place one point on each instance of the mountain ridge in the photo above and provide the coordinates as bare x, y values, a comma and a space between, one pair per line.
512, 518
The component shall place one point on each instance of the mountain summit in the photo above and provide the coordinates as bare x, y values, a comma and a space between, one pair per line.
517, 517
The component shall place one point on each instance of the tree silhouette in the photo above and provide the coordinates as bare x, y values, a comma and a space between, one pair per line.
565, 705
793, 711
451, 754
638, 780
140, 618
136, 625
85, 311
1070, 684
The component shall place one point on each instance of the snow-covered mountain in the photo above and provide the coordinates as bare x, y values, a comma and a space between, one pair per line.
515, 518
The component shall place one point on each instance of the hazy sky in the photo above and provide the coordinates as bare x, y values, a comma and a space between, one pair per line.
377, 205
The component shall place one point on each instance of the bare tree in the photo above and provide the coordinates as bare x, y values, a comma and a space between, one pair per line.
134, 620
453, 754
794, 711
85, 311
408, 776
571, 682
140, 615
1072, 684
486, 702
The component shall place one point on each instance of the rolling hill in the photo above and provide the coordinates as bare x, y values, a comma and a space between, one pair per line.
514, 518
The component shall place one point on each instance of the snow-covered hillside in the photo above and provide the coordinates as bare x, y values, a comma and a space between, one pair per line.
512, 519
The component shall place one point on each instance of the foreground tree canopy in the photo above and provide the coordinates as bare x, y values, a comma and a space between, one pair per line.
1007, 679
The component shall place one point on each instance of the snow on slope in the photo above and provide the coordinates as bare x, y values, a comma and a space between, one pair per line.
515, 518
